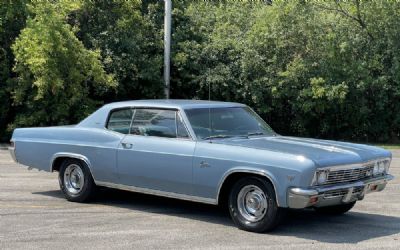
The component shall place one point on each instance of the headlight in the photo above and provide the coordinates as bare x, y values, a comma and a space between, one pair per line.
322, 176
381, 167
376, 169
387, 165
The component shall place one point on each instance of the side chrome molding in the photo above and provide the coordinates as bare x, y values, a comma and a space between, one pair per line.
71, 155
158, 192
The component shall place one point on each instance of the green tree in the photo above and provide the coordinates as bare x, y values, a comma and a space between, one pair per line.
328, 69
59, 80
13, 14
129, 37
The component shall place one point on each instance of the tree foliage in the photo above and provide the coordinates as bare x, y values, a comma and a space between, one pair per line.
130, 40
325, 69
12, 19
58, 78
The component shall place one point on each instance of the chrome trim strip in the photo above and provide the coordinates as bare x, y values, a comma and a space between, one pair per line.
300, 198
159, 137
191, 136
187, 124
11, 150
130, 125
64, 143
158, 192
345, 186
159, 152
353, 166
301, 191
384, 178
179, 114
71, 155
250, 171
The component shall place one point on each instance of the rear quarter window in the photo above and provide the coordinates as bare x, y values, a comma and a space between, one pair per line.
120, 120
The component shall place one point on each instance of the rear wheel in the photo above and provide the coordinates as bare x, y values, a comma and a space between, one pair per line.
76, 181
252, 205
336, 210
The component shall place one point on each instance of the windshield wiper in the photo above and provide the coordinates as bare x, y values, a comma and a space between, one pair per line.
222, 136
217, 137
255, 133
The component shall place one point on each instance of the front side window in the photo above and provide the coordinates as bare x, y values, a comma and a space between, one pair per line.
181, 130
226, 122
120, 120
157, 122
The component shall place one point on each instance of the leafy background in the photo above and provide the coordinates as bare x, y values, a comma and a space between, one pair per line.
326, 69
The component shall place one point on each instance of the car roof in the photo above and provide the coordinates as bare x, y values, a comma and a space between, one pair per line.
174, 103
98, 118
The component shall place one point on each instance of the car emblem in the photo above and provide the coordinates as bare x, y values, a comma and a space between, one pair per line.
290, 177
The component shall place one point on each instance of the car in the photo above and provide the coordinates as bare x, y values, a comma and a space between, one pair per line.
220, 153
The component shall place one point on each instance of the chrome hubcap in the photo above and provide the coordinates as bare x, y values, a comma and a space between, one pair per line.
252, 203
74, 179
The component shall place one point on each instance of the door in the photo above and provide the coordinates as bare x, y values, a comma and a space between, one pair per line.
157, 152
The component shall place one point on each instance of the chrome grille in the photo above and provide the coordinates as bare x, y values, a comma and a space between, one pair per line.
358, 189
335, 193
349, 175
341, 192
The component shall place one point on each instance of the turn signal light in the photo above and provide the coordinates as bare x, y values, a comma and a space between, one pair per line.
313, 199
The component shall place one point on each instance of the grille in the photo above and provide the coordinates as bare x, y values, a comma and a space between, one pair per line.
348, 175
341, 192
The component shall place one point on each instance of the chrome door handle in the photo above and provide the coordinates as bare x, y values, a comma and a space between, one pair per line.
126, 145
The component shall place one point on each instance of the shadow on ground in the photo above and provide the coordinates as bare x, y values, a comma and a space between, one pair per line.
352, 227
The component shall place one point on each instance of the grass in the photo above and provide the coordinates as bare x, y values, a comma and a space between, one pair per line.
387, 145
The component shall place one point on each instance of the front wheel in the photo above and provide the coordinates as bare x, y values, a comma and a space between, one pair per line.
253, 206
336, 210
76, 181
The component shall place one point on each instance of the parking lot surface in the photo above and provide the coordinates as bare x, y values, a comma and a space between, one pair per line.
35, 215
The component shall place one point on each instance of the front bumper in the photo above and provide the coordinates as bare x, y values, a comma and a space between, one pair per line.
12, 153
335, 194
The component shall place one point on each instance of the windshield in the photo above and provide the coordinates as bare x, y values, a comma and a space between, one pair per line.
209, 123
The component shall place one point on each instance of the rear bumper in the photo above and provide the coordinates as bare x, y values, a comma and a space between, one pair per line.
336, 194
12, 153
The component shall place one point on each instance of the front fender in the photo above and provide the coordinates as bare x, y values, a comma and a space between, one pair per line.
262, 172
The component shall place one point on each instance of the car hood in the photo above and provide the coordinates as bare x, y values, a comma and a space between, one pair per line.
322, 152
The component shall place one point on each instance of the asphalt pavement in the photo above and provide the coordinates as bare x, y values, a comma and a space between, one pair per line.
35, 215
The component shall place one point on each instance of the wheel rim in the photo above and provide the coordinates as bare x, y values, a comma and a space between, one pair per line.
74, 179
252, 203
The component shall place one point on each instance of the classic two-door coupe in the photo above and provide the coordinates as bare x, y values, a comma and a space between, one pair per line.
204, 151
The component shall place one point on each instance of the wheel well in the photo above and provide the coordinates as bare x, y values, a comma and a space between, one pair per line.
230, 181
58, 162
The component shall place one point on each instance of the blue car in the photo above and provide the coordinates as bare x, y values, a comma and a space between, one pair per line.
219, 153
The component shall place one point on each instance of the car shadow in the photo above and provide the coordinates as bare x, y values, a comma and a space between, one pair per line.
352, 227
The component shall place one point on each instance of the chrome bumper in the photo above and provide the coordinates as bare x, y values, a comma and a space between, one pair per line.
335, 194
12, 153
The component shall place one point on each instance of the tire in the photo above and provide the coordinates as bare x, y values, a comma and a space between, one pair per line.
76, 181
253, 206
336, 210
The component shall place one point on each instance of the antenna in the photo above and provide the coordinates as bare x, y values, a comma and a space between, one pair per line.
209, 111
